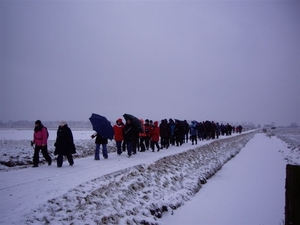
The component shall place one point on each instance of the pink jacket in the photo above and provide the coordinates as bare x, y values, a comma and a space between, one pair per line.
40, 137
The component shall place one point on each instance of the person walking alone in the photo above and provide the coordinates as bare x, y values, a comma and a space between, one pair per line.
40, 138
64, 145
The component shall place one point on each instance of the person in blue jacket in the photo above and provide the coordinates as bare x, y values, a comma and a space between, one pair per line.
194, 131
172, 129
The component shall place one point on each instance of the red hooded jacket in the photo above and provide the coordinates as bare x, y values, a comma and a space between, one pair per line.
155, 132
118, 130
143, 127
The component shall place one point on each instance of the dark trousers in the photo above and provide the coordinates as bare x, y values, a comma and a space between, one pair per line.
147, 142
135, 145
104, 151
178, 140
142, 144
194, 139
186, 137
153, 144
45, 153
129, 147
172, 140
164, 142
119, 147
60, 159
217, 134
124, 146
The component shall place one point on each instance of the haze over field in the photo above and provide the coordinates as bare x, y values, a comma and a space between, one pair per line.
204, 60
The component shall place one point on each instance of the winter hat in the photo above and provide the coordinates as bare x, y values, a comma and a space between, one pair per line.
38, 122
62, 123
119, 120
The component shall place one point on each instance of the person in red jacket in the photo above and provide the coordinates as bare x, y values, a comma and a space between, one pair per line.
118, 134
40, 137
142, 137
155, 131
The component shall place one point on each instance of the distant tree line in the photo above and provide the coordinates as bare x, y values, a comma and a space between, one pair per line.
294, 125
86, 124
48, 124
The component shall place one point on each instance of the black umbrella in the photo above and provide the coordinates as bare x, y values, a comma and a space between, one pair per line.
102, 126
135, 121
180, 122
208, 124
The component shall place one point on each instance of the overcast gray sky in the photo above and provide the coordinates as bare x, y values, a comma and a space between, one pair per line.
235, 61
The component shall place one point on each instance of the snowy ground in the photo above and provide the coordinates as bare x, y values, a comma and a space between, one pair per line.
16, 151
250, 189
120, 190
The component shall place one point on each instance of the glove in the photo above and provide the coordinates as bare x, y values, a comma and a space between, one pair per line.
32, 143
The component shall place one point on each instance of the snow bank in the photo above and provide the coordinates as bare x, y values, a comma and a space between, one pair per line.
140, 194
290, 136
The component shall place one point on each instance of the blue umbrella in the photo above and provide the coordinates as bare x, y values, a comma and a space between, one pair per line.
102, 126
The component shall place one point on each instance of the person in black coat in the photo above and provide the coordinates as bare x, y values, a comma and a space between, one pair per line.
129, 134
186, 128
179, 132
64, 145
165, 131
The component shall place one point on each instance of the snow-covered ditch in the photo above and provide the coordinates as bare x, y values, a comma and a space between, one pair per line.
140, 194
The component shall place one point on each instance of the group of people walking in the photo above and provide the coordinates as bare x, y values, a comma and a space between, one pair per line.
64, 144
158, 136
129, 137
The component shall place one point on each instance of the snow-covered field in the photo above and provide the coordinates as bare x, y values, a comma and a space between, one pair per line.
15, 148
119, 190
